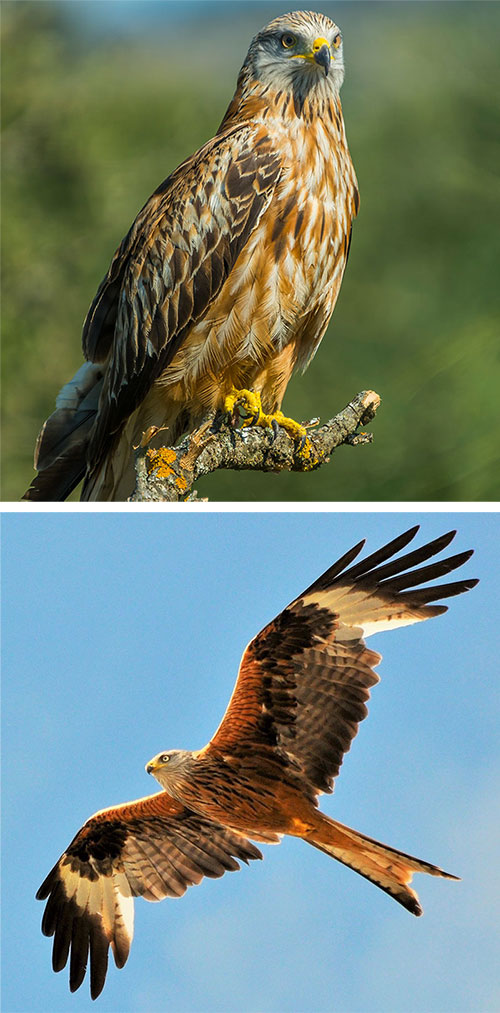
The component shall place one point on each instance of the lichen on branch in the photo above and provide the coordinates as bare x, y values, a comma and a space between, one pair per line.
167, 474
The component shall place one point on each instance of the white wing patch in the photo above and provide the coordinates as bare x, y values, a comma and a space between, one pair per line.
109, 898
123, 918
380, 625
364, 612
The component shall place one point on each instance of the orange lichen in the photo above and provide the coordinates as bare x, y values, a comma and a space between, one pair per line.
160, 461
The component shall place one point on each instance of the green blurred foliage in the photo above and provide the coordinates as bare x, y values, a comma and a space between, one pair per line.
92, 124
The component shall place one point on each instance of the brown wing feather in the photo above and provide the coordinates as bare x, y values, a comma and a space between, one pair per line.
155, 848
305, 679
173, 263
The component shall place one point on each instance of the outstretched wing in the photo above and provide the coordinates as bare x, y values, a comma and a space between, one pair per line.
153, 848
305, 679
173, 263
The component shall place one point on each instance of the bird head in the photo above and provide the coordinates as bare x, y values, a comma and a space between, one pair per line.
169, 768
298, 50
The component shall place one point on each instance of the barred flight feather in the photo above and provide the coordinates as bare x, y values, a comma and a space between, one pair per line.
310, 669
90, 899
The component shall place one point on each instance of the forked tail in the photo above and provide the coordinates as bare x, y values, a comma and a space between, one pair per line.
388, 868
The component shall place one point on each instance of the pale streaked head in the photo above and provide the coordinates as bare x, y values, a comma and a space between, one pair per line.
302, 49
169, 768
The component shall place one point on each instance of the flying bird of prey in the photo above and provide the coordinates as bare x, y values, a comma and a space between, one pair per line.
301, 692
227, 279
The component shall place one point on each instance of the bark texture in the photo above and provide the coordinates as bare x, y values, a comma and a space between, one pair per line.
168, 474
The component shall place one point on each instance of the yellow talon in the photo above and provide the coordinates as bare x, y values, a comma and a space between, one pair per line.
248, 403
294, 429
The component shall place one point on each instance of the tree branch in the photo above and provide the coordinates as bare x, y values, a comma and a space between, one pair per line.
168, 474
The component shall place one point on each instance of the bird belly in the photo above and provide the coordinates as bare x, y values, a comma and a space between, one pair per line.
256, 796
273, 309
267, 320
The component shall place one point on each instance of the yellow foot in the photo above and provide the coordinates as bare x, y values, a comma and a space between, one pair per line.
248, 404
244, 402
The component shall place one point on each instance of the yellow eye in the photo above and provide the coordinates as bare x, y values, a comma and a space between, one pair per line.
337, 40
288, 40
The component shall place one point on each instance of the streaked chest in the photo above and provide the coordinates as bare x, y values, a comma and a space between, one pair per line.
300, 244
285, 281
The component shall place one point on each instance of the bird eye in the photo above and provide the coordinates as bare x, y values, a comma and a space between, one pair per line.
288, 40
337, 40
165, 758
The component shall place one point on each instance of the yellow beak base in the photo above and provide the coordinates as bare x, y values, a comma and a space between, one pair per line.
320, 53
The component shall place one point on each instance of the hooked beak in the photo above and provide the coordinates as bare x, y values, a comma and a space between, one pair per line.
322, 55
152, 766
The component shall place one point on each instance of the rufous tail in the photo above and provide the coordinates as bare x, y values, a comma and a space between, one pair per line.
388, 868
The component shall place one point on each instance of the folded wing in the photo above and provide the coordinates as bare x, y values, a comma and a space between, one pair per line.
153, 848
172, 265
163, 278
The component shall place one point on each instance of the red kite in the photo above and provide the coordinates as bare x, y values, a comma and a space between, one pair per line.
300, 694
227, 279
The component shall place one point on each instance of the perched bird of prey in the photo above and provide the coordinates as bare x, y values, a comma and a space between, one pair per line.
227, 279
300, 694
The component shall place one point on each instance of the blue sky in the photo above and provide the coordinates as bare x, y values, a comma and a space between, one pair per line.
122, 636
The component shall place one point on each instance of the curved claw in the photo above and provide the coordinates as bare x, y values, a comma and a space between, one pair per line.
294, 429
252, 420
248, 404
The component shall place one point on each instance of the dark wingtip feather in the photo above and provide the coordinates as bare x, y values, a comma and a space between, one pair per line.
43, 891
62, 937
397, 576
326, 579
79, 953
120, 957
385, 552
423, 595
422, 574
394, 575
99, 948
48, 884
370, 568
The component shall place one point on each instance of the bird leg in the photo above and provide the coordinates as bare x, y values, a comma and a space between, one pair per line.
248, 403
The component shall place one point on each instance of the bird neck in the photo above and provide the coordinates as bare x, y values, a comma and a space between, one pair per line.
257, 103
177, 775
